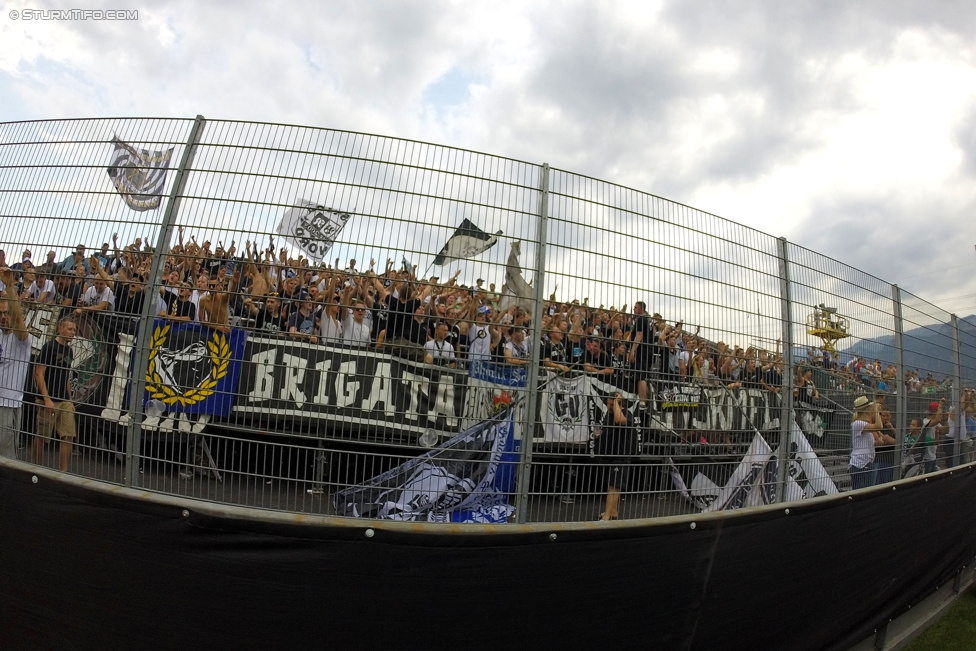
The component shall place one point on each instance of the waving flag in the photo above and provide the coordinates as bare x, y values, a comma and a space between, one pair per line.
468, 241
312, 228
139, 175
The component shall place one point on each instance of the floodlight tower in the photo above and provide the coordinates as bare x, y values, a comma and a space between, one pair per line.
828, 326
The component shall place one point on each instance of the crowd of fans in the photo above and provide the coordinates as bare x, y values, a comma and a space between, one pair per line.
431, 320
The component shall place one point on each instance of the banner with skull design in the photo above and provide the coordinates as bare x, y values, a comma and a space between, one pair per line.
193, 368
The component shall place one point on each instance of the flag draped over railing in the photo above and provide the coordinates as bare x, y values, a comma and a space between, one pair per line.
469, 478
753, 482
139, 175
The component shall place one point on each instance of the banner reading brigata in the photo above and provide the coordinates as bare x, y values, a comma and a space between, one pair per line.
286, 379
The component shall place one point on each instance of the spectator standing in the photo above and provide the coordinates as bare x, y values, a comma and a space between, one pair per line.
25, 262
517, 350
330, 328
214, 309
301, 322
867, 421
482, 337
439, 350
553, 351
933, 431
182, 309
42, 290
615, 443
56, 413
596, 361
885, 449
15, 351
72, 293
97, 298
270, 318
355, 331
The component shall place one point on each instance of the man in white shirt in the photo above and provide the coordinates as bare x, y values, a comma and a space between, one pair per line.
97, 298
438, 350
42, 289
482, 337
15, 350
517, 349
355, 330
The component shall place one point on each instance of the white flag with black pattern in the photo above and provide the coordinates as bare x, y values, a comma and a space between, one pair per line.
312, 228
468, 241
139, 175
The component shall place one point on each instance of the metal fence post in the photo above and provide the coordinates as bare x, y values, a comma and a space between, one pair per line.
956, 394
786, 394
901, 396
532, 379
147, 316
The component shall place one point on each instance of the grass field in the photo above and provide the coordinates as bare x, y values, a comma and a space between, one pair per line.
956, 629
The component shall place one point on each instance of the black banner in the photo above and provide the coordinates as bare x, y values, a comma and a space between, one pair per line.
859, 562
282, 379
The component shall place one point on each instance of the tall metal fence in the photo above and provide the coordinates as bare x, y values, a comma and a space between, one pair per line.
340, 323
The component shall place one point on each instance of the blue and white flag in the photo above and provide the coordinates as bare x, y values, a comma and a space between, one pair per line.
466, 479
139, 175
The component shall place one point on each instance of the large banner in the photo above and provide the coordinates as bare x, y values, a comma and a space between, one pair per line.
193, 368
192, 376
282, 378
197, 374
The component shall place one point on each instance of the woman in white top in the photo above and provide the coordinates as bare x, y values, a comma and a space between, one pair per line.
330, 329
865, 430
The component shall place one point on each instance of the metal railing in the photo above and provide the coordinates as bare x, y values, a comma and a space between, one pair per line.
317, 321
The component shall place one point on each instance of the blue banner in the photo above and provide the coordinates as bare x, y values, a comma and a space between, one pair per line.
510, 376
194, 369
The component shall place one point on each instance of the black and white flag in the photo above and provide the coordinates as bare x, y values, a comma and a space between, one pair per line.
466, 479
139, 175
468, 241
312, 228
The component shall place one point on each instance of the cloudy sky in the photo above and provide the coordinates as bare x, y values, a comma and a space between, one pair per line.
848, 127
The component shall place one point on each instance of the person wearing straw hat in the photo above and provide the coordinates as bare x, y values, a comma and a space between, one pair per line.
866, 427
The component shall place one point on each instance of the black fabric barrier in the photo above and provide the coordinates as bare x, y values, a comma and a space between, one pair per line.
87, 569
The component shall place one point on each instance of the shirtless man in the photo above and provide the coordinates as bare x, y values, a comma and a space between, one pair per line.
214, 310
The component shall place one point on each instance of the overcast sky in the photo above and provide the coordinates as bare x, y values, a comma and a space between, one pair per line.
848, 127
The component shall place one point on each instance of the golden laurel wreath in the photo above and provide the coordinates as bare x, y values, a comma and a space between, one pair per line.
220, 361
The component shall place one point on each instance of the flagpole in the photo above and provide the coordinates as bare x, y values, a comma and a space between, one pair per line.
147, 315
532, 381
